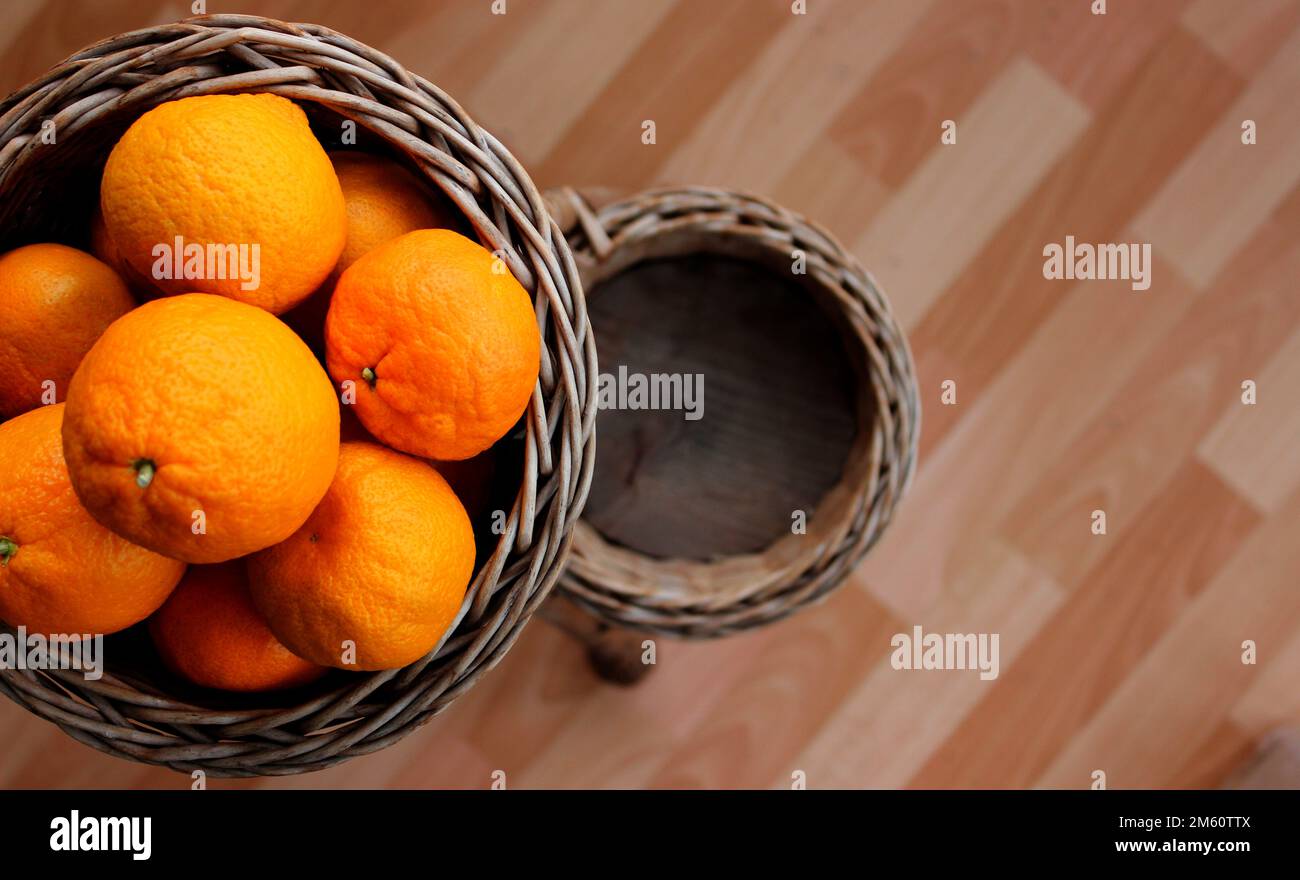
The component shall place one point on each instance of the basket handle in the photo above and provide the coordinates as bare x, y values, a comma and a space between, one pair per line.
573, 210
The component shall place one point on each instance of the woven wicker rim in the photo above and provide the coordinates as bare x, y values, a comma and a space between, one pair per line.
702, 599
136, 719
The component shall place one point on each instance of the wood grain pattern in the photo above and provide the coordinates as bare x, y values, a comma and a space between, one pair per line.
1000, 300
1158, 564
1067, 45
894, 721
1168, 704
945, 64
802, 78
1167, 404
1246, 35
939, 201
1259, 456
1119, 652
1243, 181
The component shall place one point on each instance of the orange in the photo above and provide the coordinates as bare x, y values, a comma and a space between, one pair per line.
242, 183
201, 428
380, 567
209, 633
54, 303
60, 571
383, 201
441, 350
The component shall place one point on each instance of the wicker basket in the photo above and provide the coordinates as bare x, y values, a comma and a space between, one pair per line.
134, 711
705, 598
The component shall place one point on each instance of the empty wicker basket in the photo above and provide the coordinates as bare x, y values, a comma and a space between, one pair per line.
137, 712
718, 594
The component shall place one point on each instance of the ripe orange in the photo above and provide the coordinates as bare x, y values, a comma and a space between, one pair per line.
383, 563
201, 428
383, 201
443, 351
226, 171
54, 303
209, 633
60, 571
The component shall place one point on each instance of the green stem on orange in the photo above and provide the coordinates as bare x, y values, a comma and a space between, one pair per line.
144, 471
7, 549
368, 374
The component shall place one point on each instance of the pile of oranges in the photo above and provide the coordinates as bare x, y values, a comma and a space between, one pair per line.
238, 418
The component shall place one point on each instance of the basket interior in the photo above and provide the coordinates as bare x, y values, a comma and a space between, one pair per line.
784, 402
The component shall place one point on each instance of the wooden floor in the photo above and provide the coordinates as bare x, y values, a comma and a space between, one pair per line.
1120, 652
